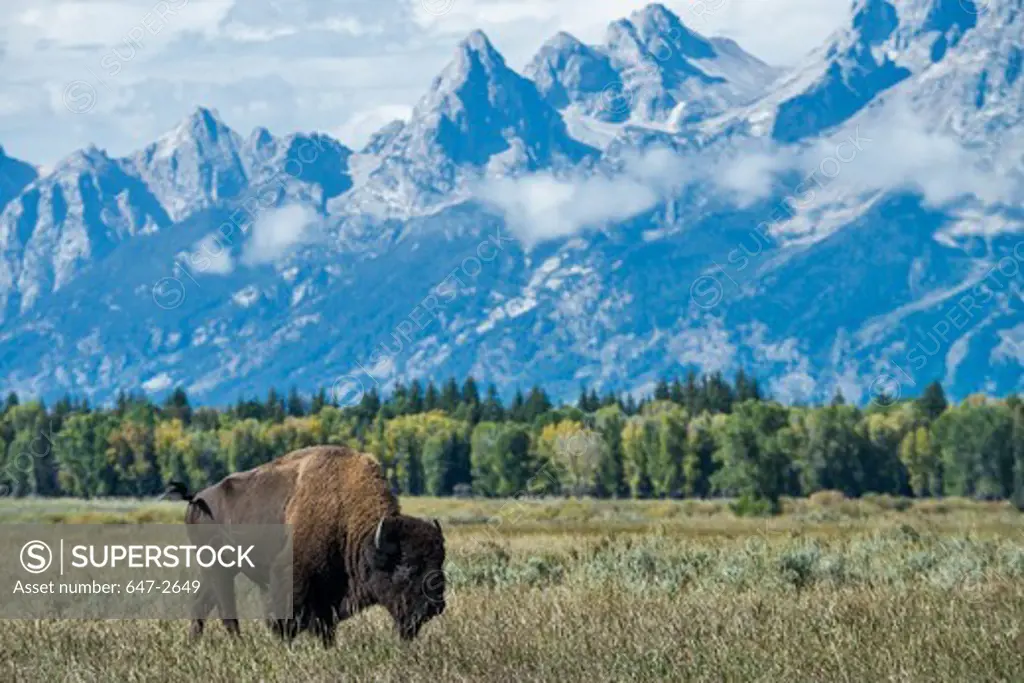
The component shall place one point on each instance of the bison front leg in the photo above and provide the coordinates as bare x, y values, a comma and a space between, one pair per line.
325, 623
281, 599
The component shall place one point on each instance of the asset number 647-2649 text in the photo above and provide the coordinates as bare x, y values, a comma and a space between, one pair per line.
150, 586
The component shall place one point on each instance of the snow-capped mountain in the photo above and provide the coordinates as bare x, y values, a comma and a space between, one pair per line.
193, 166
71, 218
887, 44
681, 230
479, 116
64, 221
651, 68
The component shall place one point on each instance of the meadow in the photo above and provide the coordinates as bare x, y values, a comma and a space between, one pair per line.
875, 589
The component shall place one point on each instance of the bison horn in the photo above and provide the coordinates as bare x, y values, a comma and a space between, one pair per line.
437, 524
376, 536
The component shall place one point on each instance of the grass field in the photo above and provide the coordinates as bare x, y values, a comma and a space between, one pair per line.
833, 590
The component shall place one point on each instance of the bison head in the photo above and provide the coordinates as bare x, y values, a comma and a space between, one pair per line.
406, 560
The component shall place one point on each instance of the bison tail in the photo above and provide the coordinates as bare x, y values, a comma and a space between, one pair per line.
178, 491
203, 507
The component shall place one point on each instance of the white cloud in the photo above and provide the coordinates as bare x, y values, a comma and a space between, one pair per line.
894, 149
209, 256
748, 177
278, 232
108, 23
158, 383
541, 207
255, 33
246, 33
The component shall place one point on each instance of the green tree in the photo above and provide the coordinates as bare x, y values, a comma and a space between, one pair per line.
921, 462
611, 480
641, 444
295, 405
446, 461
492, 409
836, 451
699, 458
668, 475
975, 442
501, 460
176, 406
450, 396
752, 457
932, 402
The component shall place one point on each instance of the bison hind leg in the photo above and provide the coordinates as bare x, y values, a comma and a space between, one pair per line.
205, 601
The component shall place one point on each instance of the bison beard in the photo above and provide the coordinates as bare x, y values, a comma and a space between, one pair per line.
351, 546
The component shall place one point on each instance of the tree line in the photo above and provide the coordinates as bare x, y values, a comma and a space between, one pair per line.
693, 437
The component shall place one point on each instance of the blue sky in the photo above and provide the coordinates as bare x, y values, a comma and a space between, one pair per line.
117, 73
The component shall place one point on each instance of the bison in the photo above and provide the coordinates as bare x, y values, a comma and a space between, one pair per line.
351, 547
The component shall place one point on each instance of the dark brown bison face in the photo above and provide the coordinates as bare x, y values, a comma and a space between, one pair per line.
407, 559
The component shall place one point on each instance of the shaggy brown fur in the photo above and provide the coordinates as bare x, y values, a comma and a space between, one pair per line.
333, 500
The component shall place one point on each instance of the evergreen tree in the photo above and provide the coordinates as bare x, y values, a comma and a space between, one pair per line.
318, 402
932, 402
121, 403
296, 406
470, 409
415, 398
517, 411
537, 403
369, 404
176, 406
676, 394
274, 406
470, 393
630, 407
432, 398
693, 399
450, 396
492, 410
661, 391
717, 394
583, 402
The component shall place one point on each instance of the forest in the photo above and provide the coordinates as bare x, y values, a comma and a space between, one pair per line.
696, 437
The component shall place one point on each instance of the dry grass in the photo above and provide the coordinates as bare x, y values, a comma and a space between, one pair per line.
834, 590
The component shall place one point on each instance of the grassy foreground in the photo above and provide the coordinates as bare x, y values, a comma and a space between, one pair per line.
833, 590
